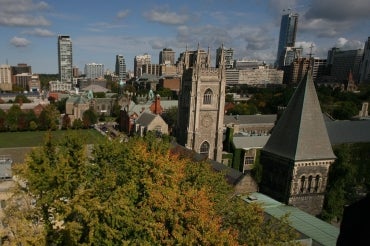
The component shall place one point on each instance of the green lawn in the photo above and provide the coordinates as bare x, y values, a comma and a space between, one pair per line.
32, 139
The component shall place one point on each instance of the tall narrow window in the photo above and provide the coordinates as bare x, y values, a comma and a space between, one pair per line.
204, 148
207, 98
309, 183
317, 183
303, 184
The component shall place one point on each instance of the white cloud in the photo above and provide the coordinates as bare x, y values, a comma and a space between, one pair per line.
23, 20
346, 44
123, 13
22, 13
166, 17
19, 42
21, 6
40, 32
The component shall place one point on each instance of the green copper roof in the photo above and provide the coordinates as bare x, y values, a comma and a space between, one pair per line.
319, 231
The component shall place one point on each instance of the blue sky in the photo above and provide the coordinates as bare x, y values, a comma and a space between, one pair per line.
101, 29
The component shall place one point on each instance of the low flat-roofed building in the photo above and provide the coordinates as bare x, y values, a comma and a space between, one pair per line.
251, 124
312, 230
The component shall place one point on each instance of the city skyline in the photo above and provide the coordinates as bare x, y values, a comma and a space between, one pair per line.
101, 31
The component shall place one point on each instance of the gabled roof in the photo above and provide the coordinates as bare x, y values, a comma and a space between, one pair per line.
146, 118
300, 133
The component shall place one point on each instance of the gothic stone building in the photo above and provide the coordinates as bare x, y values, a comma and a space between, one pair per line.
297, 156
201, 105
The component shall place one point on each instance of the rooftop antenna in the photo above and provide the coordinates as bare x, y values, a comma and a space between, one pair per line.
310, 56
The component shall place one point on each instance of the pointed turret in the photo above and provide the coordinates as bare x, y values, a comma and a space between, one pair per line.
300, 133
297, 157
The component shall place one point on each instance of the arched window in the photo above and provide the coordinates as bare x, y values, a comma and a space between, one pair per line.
317, 183
303, 184
309, 183
207, 98
204, 148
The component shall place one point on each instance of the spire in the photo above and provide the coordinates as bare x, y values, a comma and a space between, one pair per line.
301, 134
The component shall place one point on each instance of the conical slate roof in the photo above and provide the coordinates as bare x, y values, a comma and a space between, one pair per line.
300, 134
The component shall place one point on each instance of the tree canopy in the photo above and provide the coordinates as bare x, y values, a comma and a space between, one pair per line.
134, 193
349, 179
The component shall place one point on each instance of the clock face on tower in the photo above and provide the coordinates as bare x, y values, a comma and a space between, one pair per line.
206, 120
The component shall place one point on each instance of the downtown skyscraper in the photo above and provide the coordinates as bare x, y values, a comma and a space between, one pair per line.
120, 70
65, 58
287, 36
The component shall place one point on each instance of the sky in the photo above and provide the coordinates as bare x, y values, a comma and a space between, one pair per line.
102, 29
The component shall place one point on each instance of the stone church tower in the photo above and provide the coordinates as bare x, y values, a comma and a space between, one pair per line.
201, 105
296, 159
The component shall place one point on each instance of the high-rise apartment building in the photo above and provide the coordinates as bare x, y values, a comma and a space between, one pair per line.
294, 73
365, 64
120, 70
287, 36
5, 78
65, 58
229, 57
20, 68
22, 80
94, 70
319, 68
167, 57
139, 61
344, 62
153, 69
290, 54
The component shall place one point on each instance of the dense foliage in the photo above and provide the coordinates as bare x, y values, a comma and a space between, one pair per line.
133, 193
341, 105
349, 179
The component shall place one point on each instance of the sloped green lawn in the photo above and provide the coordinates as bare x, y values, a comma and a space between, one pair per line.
32, 139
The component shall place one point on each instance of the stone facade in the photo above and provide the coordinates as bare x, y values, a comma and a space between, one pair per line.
296, 158
201, 108
301, 184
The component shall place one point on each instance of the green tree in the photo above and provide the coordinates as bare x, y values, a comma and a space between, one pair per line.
3, 126
349, 179
165, 92
243, 109
139, 192
14, 118
21, 98
49, 118
60, 104
170, 117
77, 124
89, 118
345, 110
66, 122
99, 95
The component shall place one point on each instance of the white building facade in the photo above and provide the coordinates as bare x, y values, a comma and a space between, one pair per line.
5, 78
65, 58
94, 70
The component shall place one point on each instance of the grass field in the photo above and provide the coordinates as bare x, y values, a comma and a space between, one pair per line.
32, 139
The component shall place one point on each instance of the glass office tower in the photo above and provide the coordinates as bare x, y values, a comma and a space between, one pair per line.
288, 31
